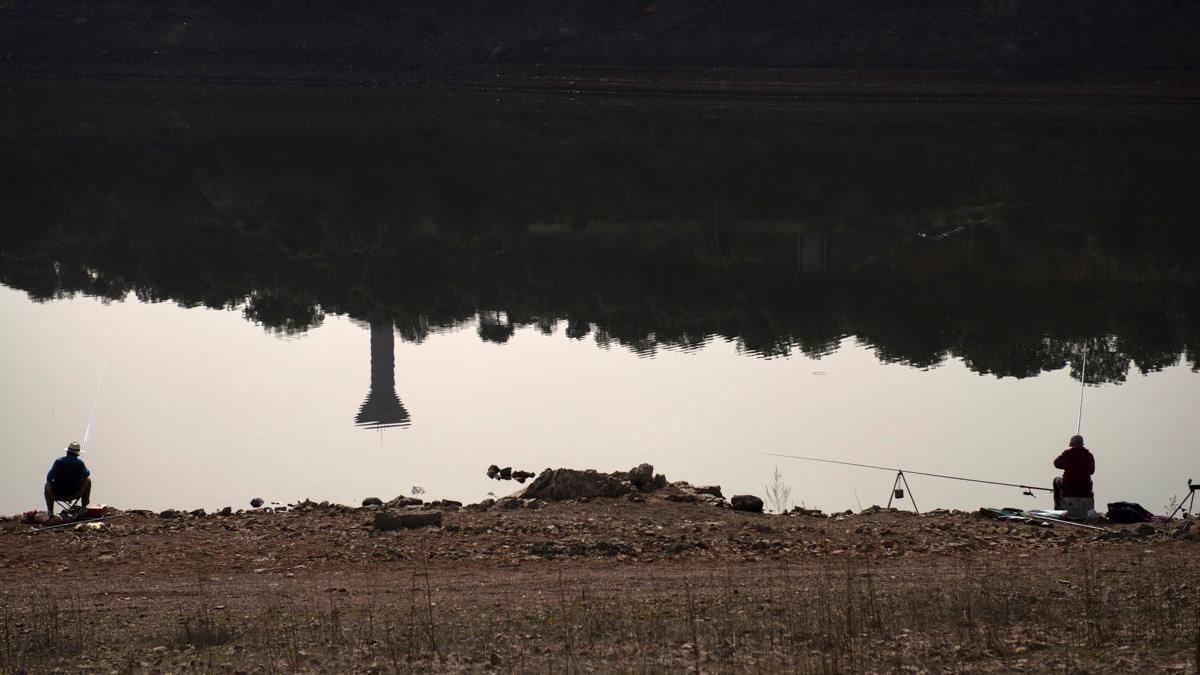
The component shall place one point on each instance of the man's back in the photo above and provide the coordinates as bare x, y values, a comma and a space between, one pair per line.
1078, 465
67, 474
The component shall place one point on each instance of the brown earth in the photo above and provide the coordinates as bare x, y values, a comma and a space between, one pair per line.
601, 585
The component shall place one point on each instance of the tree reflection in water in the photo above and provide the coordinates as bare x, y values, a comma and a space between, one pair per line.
1010, 240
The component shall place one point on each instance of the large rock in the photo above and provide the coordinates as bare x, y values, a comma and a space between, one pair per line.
642, 477
714, 490
747, 503
560, 484
372, 501
402, 501
390, 521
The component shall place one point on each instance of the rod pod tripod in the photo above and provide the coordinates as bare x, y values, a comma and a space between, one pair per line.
1189, 501
898, 492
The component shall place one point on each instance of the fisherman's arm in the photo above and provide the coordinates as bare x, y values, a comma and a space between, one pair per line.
1060, 462
52, 471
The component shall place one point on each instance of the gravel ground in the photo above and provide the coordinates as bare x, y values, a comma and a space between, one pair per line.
607, 584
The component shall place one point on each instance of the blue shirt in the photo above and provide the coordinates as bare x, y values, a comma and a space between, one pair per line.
67, 474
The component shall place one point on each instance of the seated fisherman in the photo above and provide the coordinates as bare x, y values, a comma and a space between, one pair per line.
1073, 490
68, 479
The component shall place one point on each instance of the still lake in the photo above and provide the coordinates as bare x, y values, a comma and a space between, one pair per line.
335, 295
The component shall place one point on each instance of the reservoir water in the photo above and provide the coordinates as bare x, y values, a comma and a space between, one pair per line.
340, 294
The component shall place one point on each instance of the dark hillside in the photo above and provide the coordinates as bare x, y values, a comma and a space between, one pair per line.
470, 41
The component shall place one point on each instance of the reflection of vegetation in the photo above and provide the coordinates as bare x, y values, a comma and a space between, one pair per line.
783, 233
363, 41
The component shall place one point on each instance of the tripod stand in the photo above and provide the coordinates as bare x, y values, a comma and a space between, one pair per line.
898, 492
1189, 500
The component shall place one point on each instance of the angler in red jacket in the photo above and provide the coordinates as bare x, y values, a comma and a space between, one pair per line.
1078, 465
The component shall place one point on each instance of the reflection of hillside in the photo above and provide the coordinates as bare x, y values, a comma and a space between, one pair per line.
642, 230
354, 41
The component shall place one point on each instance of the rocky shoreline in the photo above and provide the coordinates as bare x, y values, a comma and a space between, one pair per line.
623, 571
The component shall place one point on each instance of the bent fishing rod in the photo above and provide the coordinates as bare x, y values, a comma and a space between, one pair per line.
915, 473
91, 417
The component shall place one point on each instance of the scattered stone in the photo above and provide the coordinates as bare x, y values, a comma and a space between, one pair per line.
496, 473
256, 502
372, 501
487, 503
388, 521
227, 511
401, 502
748, 503
532, 503
508, 503
170, 513
1145, 530
660, 481
1183, 530
198, 513
714, 490
680, 497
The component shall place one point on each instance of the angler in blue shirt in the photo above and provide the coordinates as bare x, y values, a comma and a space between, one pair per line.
69, 478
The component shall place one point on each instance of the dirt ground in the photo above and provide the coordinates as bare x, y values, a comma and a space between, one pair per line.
606, 585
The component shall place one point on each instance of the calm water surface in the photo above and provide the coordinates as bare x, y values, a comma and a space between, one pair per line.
297, 295
199, 408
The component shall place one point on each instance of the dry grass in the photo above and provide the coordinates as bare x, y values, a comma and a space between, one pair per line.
1077, 611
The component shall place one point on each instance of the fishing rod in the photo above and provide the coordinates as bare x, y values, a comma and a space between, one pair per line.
76, 522
903, 471
1082, 384
91, 417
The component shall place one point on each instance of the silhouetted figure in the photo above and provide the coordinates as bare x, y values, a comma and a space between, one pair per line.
1073, 490
68, 479
382, 408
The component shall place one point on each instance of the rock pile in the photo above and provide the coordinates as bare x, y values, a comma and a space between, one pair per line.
563, 484
582, 485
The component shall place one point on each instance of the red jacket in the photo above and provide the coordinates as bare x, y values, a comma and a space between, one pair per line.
1078, 465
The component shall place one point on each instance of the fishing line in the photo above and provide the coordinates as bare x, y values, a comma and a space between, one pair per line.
915, 473
87, 432
1082, 384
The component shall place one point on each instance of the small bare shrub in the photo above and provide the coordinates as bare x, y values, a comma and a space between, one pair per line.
778, 493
